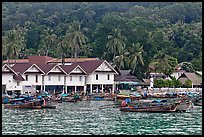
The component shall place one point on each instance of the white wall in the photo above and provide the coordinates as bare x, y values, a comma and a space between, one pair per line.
54, 79
32, 79
11, 84
102, 78
75, 80
176, 74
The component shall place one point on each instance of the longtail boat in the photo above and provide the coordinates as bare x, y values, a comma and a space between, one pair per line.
171, 107
36, 104
122, 97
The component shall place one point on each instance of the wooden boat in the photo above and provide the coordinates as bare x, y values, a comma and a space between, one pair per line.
123, 97
25, 105
169, 107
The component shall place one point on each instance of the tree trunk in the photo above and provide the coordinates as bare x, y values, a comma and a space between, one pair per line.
72, 53
8, 60
75, 54
15, 61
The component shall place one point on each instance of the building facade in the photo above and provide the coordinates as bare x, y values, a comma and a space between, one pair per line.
88, 76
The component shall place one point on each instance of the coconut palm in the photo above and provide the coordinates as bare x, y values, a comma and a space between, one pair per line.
121, 59
13, 41
116, 44
161, 62
48, 40
75, 37
136, 56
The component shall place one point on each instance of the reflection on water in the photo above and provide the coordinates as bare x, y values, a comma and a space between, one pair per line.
85, 118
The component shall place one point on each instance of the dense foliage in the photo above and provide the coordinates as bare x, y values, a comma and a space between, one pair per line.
173, 83
132, 35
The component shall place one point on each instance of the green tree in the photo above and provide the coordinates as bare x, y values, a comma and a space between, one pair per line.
13, 42
187, 66
188, 83
159, 83
176, 83
48, 41
121, 60
116, 43
136, 56
76, 37
160, 62
197, 63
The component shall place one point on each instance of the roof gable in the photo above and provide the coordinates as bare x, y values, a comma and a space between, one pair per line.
90, 66
73, 69
77, 70
57, 69
8, 69
105, 67
192, 76
34, 69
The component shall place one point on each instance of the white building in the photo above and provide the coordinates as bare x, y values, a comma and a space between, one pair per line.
88, 76
11, 80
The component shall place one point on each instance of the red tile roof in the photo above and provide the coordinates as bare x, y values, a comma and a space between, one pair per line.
18, 78
39, 59
45, 67
87, 66
68, 68
21, 67
90, 66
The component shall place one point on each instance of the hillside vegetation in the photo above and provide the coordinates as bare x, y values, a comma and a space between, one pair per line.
132, 35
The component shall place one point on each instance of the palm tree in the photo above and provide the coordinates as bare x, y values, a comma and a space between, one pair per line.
121, 59
48, 40
136, 56
76, 37
161, 62
13, 42
116, 44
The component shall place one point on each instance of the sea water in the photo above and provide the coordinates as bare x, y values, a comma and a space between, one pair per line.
84, 118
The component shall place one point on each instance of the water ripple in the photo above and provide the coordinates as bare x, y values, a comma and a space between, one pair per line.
84, 118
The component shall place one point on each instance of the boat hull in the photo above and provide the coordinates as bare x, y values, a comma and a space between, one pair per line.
28, 105
163, 108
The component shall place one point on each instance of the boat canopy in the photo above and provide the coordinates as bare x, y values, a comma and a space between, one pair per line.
158, 101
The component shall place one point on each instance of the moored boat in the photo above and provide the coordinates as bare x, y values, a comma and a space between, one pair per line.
35, 104
122, 97
151, 108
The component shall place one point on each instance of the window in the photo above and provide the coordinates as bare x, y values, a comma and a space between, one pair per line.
49, 77
108, 77
70, 78
59, 78
18, 83
36, 78
96, 76
26, 77
80, 78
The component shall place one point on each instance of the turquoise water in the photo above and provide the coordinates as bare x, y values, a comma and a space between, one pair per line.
83, 118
